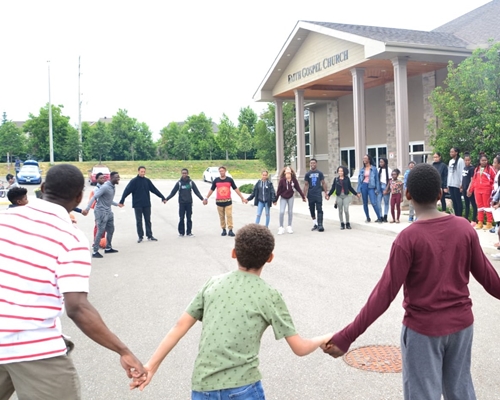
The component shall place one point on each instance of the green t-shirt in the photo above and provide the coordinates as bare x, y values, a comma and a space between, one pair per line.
235, 308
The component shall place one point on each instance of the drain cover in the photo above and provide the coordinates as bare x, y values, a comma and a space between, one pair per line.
375, 358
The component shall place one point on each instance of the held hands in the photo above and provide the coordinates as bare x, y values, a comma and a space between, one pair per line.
205, 202
245, 201
327, 197
133, 368
85, 213
304, 199
142, 383
165, 201
121, 205
331, 349
358, 195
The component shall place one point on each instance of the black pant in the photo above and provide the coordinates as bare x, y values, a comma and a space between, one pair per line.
470, 201
185, 209
139, 212
443, 201
316, 205
456, 198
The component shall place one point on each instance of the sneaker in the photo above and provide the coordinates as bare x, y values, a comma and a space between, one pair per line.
321, 228
314, 228
181, 235
368, 220
230, 233
224, 233
496, 256
281, 230
492, 230
410, 219
289, 229
97, 255
190, 235
139, 240
348, 225
152, 239
107, 251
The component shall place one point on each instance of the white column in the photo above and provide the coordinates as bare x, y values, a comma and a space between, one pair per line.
401, 105
358, 97
278, 116
300, 128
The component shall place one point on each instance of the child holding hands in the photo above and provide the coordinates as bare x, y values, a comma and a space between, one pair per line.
236, 308
396, 189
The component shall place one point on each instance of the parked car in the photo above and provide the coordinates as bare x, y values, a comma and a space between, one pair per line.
29, 173
211, 173
95, 170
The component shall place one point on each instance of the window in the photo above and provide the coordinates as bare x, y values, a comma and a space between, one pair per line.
377, 152
307, 133
347, 159
417, 152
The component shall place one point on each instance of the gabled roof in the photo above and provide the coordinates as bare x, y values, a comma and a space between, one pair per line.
399, 36
477, 26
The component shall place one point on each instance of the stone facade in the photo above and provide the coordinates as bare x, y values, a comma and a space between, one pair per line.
429, 84
390, 124
332, 126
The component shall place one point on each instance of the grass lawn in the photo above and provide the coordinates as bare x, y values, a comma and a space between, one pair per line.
166, 169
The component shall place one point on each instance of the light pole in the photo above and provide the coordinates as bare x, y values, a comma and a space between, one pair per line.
80, 155
51, 136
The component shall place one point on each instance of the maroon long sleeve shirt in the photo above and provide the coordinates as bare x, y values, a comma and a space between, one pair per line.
433, 260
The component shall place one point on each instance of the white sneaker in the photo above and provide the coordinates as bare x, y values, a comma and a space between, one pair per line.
496, 256
281, 230
289, 229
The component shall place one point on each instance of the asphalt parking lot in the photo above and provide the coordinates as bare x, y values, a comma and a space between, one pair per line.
325, 278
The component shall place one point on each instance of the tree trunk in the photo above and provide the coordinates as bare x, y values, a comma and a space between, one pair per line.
227, 155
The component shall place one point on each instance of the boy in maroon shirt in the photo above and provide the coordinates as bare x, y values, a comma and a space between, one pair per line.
433, 264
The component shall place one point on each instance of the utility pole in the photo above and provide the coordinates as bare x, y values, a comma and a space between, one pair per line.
80, 152
51, 136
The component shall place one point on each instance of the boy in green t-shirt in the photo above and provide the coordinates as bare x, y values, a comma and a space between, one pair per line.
236, 308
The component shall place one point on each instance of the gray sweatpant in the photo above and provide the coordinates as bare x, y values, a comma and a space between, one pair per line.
283, 204
343, 202
105, 222
437, 365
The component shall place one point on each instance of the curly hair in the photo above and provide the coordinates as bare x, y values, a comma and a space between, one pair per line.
424, 184
282, 173
253, 245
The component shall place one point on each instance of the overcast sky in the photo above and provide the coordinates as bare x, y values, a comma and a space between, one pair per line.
163, 61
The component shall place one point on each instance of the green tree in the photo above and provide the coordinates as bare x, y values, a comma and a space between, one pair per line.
248, 117
132, 139
289, 129
12, 139
245, 141
183, 146
98, 141
467, 106
265, 144
37, 128
226, 137
199, 128
168, 139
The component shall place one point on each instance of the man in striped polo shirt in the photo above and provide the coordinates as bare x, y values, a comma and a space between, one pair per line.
45, 265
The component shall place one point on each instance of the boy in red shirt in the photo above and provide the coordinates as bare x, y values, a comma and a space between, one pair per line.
436, 337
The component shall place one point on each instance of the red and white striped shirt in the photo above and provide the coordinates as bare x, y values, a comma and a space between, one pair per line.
42, 256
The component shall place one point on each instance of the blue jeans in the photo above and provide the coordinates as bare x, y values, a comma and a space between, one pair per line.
254, 391
384, 197
365, 193
260, 207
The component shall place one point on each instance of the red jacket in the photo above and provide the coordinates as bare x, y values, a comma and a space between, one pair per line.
483, 182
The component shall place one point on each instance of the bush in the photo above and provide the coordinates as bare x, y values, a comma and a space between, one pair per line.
246, 188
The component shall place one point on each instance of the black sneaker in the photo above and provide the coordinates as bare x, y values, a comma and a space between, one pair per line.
139, 240
314, 228
181, 235
320, 228
152, 239
107, 251
224, 233
97, 255
230, 232
348, 225
190, 235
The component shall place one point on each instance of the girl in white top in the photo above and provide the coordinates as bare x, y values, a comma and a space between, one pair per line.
384, 175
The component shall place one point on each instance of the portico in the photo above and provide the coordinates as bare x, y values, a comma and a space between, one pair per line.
362, 89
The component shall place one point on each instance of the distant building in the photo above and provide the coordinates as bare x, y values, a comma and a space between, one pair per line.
365, 89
